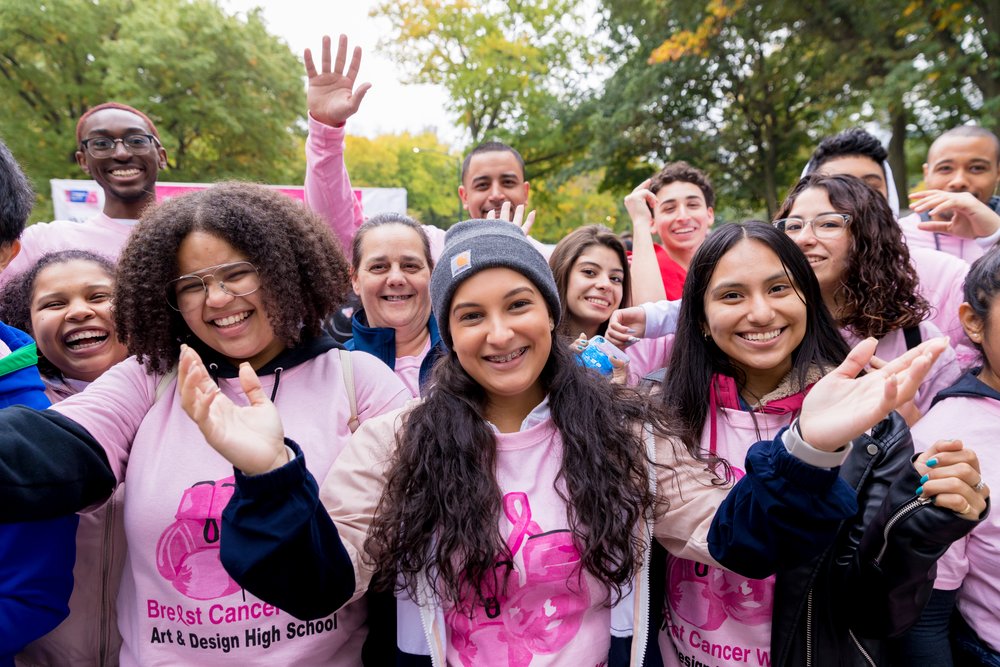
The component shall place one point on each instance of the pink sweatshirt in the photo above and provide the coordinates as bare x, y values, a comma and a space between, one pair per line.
943, 373
942, 281
176, 604
713, 616
971, 563
964, 249
101, 234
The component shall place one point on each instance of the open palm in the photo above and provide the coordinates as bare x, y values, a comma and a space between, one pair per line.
250, 437
842, 406
331, 96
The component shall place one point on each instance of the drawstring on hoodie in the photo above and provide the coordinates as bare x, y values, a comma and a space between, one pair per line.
277, 379
213, 370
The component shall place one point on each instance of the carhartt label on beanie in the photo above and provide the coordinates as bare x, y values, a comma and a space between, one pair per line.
475, 245
461, 262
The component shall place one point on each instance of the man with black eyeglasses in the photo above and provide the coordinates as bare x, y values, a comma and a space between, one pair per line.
119, 147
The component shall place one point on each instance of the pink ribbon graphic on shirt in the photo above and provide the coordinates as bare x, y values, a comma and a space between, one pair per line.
537, 616
187, 553
706, 596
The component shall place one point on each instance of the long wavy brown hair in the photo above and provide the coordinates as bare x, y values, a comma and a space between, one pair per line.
303, 271
441, 505
878, 290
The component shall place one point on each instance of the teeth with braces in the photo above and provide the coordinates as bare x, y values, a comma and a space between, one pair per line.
507, 357
761, 337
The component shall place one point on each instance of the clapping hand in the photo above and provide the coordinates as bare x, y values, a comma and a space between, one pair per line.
842, 405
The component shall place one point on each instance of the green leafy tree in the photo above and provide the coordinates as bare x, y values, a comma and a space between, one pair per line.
429, 175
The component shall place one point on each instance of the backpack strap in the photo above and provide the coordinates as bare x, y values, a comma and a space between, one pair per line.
161, 386
348, 368
912, 337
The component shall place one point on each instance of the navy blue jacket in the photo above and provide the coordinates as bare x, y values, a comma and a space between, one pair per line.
381, 342
36, 559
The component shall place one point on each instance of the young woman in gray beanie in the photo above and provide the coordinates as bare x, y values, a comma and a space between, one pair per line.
516, 502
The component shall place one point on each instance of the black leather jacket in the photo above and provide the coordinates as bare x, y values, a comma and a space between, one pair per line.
874, 580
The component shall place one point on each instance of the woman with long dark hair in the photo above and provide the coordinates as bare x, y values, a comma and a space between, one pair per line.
753, 344
516, 501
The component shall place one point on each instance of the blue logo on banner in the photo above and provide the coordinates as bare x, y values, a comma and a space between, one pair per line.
77, 196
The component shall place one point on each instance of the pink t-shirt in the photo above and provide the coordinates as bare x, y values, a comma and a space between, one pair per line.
549, 614
176, 604
713, 616
973, 562
407, 369
100, 234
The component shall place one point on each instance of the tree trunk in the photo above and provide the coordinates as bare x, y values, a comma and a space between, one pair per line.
897, 152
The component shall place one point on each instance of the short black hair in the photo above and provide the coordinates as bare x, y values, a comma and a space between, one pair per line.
855, 141
16, 197
492, 147
973, 131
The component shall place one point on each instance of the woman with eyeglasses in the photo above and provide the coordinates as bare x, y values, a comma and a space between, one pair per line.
245, 276
848, 233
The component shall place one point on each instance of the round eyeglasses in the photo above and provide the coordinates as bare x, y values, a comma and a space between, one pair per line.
824, 225
102, 147
189, 292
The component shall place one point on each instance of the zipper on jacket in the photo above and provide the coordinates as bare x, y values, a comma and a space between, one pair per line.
107, 557
645, 585
861, 648
896, 517
423, 589
809, 628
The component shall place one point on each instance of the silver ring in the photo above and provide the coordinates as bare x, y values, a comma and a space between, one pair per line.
980, 486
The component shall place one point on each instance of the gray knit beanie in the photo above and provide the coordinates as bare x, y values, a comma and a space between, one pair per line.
474, 245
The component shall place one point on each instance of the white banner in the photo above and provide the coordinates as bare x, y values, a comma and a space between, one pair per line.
79, 200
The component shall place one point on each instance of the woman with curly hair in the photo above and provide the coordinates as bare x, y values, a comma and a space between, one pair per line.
516, 502
245, 276
851, 239
64, 303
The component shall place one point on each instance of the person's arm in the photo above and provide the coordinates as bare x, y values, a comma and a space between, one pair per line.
36, 579
647, 283
905, 533
332, 99
791, 501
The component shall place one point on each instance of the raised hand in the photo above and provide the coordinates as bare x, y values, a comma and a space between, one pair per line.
966, 215
640, 204
331, 95
842, 405
626, 326
250, 437
517, 218
952, 478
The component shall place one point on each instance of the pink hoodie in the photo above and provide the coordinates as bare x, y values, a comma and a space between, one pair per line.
965, 249
176, 604
971, 563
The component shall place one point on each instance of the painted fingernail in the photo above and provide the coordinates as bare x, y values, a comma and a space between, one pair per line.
924, 479
920, 489
631, 331
932, 462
